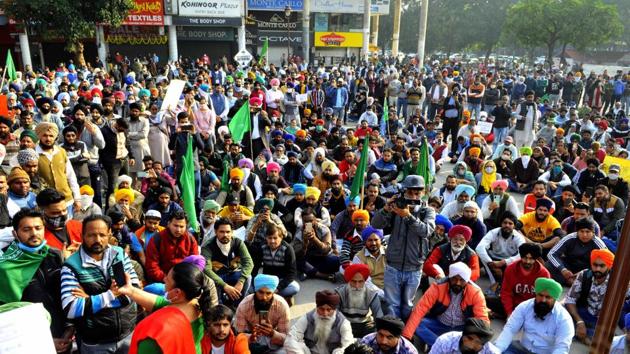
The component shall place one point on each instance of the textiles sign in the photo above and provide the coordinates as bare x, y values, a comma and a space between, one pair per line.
146, 13
210, 8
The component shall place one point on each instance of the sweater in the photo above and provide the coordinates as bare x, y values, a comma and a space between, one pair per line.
518, 284
573, 254
165, 251
442, 256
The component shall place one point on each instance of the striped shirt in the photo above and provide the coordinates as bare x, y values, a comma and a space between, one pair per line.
352, 243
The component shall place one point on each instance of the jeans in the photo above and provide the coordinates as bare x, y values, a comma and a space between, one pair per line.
476, 108
499, 135
589, 320
120, 347
340, 112
95, 181
291, 289
450, 126
400, 290
431, 328
401, 107
433, 108
310, 265
111, 172
231, 279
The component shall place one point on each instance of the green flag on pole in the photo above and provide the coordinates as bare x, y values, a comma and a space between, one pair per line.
10, 67
225, 178
239, 124
263, 52
385, 111
423, 165
359, 176
187, 181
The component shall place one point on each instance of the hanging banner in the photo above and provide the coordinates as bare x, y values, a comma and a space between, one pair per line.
210, 8
339, 39
146, 13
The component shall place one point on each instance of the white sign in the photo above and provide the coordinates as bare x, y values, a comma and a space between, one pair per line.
210, 8
380, 7
484, 127
26, 330
174, 91
301, 98
243, 57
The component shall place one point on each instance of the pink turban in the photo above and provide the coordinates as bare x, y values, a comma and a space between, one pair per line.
502, 183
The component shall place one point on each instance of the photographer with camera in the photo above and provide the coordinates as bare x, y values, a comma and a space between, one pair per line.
411, 222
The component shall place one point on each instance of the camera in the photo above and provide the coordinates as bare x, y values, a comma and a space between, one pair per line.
401, 202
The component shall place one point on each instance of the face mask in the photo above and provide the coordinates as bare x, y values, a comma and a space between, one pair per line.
230, 94
525, 159
319, 128
489, 169
86, 201
166, 297
556, 169
505, 157
290, 90
461, 171
96, 100
613, 176
56, 222
28, 249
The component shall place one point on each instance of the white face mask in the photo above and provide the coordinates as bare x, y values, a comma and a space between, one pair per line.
86, 201
489, 169
613, 176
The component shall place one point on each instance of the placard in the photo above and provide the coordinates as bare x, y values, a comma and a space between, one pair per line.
339, 39
26, 330
485, 127
301, 98
174, 91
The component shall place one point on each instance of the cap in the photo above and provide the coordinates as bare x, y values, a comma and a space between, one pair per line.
153, 214
413, 182
614, 167
509, 139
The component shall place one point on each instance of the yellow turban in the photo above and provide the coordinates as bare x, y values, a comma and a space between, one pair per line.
314, 192
328, 164
361, 214
86, 189
45, 127
237, 173
124, 193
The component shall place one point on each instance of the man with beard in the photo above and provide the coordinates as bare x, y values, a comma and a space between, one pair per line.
257, 226
169, 247
54, 165
220, 335
44, 106
165, 204
342, 222
580, 211
90, 134
30, 270
540, 226
455, 209
352, 240
255, 139
539, 190
238, 190
456, 250
312, 200
446, 306
28, 159
348, 167
411, 166
471, 218
590, 177
524, 171
447, 192
518, 280
228, 263
104, 319
274, 178
585, 298
545, 324
497, 203
264, 316
474, 339
19, 193
388, 337
607, 209
234, 156
138, 135
335, 197
323, 330
572, 254
566, 203
372, 255
208, 217
324, 180
292, 170
359, 302
372, 200
116, 153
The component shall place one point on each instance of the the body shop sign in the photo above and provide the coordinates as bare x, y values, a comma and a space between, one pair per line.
146, 13
339, 39
210, 8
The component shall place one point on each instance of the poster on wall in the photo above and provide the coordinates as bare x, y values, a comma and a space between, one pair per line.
146, 13
210, 8
321, 22
339, 39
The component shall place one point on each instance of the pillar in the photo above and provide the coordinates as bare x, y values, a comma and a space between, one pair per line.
396, 29
101, 45
366, 29
173, 55
422, 33
25, 49
374, 34
306, 31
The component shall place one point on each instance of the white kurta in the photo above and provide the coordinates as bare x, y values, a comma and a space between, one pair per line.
527, 136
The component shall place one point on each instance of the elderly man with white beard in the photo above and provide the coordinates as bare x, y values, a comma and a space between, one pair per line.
323, 330
360, 303
455, 209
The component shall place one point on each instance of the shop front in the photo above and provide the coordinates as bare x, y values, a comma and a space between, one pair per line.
283, 33
333, 47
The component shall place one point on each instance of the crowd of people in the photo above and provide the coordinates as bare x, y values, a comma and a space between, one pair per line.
93, 222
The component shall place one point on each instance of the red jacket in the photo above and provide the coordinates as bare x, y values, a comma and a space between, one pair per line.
164, 251
529, 204
437, 258
518, 285
74, 229
235, 344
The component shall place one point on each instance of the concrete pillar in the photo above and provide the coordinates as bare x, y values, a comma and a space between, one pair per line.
422, 32
173, 55
374, 34
25, 49
365, 52
101, 46
242, 40
396, 29
306, 31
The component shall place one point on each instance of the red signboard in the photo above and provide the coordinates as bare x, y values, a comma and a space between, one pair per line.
146, 13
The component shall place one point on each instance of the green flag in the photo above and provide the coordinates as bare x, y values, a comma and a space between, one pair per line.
17, 269
187, 181
10, 67
423, 165
359, 177
225, 178
263, 52
385, 111
239, 124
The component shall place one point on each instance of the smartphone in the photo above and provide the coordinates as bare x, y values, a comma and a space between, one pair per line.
119, 273
142, 174
308, 227
263, 316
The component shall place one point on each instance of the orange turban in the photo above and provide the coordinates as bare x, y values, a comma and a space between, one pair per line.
301, 133
605, 255
559, 131
361, 214
474, 151
237, 173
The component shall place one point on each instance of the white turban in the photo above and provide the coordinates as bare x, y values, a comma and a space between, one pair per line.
123, 178
470, 204
460, 269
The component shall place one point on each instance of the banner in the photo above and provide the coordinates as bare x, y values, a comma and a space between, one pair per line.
379, 7
624, 172
266, 5
146, 13
210, 8
174, 91
339, 39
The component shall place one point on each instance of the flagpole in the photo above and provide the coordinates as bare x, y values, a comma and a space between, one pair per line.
251, 142
4, 72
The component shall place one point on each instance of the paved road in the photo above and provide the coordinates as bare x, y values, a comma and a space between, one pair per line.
305, 299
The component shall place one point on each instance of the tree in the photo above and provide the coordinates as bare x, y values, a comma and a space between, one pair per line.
74, 21
599, 23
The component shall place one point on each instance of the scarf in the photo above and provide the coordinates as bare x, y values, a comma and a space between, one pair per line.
487, 178
17, 269
225, 249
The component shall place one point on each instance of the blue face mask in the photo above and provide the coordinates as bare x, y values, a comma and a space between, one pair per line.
28, 249
556, 169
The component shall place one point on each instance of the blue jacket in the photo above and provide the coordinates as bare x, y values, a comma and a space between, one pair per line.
331, 96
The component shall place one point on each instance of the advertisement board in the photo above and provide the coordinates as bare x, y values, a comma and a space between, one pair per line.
380, 7
339, 39
269, 5
210, 8
146, 13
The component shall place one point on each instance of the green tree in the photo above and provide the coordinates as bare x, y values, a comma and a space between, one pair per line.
72, 20
598, 24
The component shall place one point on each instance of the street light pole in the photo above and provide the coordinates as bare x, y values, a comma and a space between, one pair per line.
287, 13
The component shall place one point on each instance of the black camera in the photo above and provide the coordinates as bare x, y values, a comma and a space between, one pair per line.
401, 202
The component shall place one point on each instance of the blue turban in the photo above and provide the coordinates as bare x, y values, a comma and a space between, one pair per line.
299, 188
464, 188
368, 231
627, 321
356, 200
266, 281
443, 221
288, 136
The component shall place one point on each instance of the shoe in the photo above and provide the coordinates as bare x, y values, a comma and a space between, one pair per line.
302, 277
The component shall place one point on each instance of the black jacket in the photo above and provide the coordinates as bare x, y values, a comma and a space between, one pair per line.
107, 155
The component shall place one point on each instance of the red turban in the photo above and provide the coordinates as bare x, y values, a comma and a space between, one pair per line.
355, 268
255, 101
460, 230
605, 255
